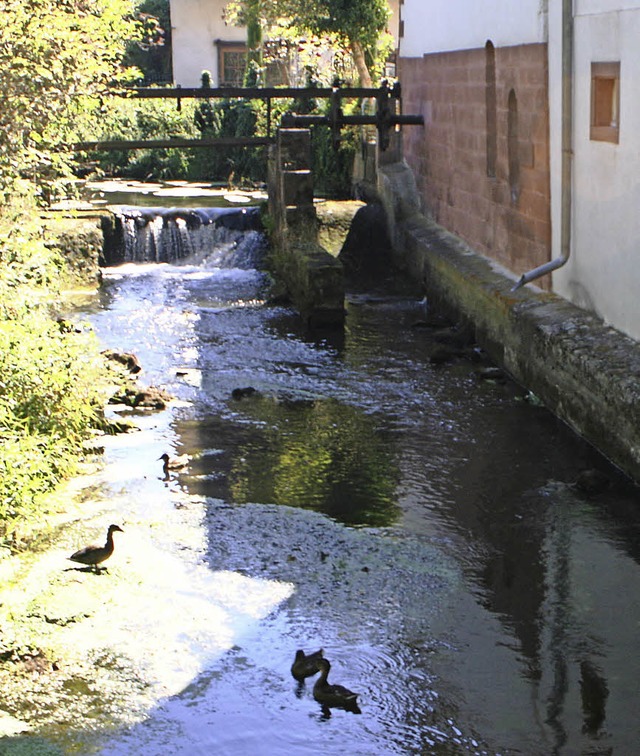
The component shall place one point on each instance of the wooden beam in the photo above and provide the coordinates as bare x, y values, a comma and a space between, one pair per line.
247, 93
142, 144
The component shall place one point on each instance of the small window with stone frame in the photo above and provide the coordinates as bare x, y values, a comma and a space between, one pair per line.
605, 102
232, 62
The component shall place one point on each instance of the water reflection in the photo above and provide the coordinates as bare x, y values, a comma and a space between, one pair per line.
314, 453
479, 629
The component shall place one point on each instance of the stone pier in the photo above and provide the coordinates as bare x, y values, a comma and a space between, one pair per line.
313, 278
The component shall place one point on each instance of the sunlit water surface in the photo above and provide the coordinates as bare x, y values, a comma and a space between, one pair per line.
417, 523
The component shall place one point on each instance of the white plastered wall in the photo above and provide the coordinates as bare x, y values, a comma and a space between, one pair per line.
432, 26
195, 27
603, 271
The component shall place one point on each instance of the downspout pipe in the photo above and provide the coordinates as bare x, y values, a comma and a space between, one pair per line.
567, 151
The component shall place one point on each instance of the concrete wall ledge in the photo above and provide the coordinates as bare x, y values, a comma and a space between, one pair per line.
585, 372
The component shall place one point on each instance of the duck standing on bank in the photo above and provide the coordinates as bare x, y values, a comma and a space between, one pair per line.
330, 695
305, 665
96, 554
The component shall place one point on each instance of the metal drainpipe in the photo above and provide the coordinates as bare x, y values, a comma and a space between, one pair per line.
567, 151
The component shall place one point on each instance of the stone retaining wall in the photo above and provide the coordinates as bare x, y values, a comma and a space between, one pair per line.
79, 239
585, 372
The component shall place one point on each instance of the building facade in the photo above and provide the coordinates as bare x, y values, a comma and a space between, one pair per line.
202, 41
478, 75
603, 271
488, 79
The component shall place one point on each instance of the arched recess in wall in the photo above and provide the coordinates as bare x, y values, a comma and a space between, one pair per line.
491, 108
513, 147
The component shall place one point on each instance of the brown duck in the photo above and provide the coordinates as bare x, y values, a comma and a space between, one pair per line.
174, 463
305, 665
333, 695
96, 554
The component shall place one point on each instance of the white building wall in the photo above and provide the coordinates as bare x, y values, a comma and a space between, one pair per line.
432, 26
195, 27
603, 272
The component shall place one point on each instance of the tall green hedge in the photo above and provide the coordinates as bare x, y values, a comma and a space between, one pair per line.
50, 376
57, 58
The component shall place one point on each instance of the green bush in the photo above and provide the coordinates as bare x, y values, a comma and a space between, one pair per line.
48, 401
159, 119
129, 119
226, 118
50, 393
233, 118
333, 168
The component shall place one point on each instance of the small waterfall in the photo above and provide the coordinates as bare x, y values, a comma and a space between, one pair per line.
218, 237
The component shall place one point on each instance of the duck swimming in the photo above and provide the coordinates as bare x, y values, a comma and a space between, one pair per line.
333, 695
95, 554
174, 463
305, 665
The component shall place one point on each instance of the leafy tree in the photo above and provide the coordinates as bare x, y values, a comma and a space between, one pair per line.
56, 58
254, 43
358, 25
150, 51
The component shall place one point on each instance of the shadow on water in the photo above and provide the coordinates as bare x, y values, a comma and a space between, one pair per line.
420, 524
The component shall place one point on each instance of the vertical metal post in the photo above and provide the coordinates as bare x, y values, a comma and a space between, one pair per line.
336, 117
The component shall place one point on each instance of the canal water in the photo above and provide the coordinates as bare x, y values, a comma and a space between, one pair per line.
417, 522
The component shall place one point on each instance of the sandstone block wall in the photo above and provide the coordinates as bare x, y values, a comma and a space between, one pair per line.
481, 161
584, 371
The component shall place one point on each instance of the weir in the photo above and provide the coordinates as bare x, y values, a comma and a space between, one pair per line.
223, 237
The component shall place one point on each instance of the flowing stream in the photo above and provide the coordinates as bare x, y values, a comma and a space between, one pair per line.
418, 523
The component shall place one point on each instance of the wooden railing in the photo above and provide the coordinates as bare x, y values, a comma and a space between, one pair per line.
386, 117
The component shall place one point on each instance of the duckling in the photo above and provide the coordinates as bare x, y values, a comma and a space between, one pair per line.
95, 554
174, 463
332, 695
305, 665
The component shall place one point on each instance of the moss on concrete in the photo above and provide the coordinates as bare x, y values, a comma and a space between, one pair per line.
79, 239
585, 372
334, 222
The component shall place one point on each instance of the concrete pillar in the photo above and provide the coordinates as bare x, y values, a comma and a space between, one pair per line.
313, 277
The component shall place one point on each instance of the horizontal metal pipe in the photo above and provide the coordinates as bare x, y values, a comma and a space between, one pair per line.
541, 270
353, 120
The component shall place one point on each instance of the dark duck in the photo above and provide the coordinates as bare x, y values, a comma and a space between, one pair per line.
174, 463
331, 695
305, 665
96, 554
